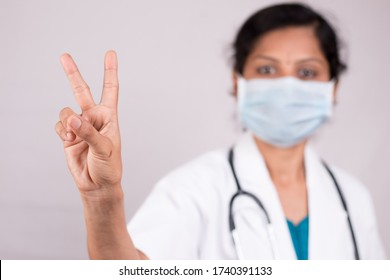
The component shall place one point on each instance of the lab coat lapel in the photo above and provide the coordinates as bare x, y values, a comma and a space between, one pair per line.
254, 177
329, 236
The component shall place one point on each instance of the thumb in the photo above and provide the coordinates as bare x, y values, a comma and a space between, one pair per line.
99, 144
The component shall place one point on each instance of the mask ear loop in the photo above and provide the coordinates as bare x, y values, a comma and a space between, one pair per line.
241, 84
335, 83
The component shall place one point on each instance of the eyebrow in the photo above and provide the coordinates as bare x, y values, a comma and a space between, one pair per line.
309, 59
266, 57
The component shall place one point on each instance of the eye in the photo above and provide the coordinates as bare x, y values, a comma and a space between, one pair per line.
307, 73
266, 70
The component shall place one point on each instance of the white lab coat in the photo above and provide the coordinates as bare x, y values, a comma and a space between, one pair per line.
186, 215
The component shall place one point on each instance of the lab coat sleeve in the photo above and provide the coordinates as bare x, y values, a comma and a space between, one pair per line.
168, 223
375, 248
363, 217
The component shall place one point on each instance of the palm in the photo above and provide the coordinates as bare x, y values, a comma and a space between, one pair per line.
94, 164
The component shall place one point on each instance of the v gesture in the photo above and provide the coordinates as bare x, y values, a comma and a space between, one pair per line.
92, 140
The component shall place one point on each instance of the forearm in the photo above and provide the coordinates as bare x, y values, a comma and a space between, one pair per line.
107, 234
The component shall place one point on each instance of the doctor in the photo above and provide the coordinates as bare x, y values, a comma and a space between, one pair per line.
268, 196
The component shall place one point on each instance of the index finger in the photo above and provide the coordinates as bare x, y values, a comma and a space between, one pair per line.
110, 83
79, 87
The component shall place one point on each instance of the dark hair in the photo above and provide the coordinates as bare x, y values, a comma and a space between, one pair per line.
286, 15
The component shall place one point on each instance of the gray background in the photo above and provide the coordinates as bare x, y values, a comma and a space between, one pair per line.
174, 102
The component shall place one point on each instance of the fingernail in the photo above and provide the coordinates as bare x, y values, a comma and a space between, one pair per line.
75, 123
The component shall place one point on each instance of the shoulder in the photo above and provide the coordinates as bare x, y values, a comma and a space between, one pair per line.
353, 188
357, 197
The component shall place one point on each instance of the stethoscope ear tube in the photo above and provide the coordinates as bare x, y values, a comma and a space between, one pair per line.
232, 225
355, 247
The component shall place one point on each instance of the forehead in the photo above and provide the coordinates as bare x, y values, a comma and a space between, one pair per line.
293, 43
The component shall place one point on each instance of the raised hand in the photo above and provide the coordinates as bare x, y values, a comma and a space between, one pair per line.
93, 153
92, 140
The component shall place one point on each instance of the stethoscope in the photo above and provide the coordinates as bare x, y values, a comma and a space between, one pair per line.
270, 229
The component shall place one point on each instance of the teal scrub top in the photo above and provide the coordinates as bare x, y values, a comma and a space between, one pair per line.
300, 237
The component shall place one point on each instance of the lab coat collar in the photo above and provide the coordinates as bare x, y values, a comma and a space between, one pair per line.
329, 234
253, 175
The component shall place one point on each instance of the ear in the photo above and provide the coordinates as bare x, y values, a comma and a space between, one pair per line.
335, 90
234, 83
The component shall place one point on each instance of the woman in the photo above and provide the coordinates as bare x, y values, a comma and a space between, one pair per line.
287, 203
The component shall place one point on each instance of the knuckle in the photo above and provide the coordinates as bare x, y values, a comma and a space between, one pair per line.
60, 130
110, 85
88, 132
64, 115
104, 153
74, 76
64, 111
58, 126
80, 88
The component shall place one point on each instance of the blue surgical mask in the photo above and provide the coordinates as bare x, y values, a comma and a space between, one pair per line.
284, 111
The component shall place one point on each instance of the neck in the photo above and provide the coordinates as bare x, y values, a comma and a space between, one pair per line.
285, 165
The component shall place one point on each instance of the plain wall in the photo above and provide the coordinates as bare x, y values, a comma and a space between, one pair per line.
174, 103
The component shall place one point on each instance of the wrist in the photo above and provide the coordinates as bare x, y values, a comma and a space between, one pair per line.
105, 210
103, 197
